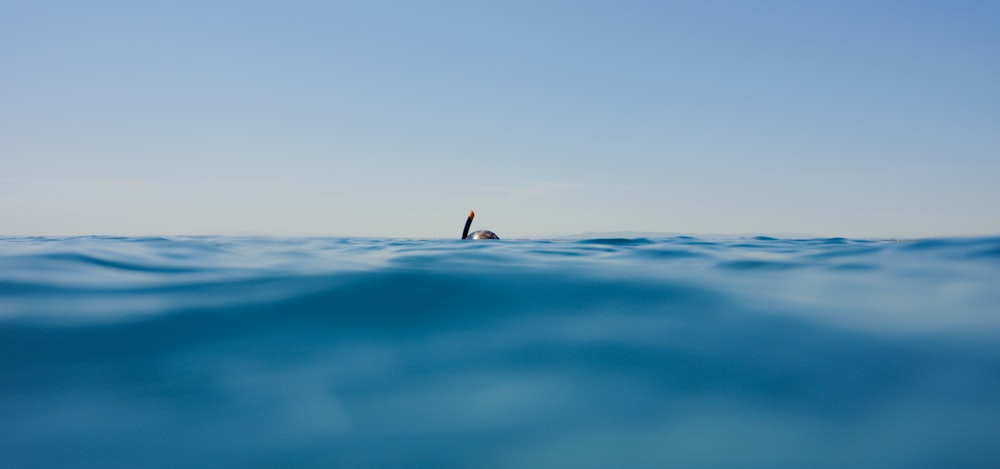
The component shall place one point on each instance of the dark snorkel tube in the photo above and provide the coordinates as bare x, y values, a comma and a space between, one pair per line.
468, 223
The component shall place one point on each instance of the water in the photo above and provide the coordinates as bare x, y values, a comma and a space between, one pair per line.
676, 352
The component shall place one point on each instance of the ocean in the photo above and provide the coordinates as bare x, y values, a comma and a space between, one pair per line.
341, 352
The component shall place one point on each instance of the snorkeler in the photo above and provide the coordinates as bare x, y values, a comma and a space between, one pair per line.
481, 234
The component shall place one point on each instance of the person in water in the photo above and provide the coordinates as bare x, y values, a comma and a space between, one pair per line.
481, 234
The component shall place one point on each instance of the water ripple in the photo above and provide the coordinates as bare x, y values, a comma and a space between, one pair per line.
679, 351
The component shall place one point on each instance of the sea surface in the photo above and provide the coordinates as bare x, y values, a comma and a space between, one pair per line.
332, 352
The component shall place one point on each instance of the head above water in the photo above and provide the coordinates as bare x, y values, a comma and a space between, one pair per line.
481, 234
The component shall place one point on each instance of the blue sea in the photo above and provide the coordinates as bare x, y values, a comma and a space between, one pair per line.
338, 352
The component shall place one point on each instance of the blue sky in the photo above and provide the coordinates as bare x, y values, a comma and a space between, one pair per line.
848, 118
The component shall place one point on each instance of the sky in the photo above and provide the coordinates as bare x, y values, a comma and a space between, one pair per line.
394, 118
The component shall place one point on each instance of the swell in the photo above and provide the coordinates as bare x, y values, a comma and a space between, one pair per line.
385, 358
109, 279
391, 303
325, 352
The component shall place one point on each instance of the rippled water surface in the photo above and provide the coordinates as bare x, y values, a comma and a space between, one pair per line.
676, 352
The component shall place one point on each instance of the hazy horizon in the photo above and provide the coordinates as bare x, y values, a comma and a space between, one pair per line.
393, 119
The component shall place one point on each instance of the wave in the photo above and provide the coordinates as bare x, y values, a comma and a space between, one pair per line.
371, 352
